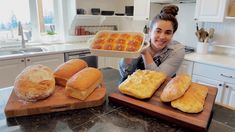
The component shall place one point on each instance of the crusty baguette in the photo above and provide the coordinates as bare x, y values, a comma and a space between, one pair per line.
67, 70
34, 83
83, 83
193, 100
176, 88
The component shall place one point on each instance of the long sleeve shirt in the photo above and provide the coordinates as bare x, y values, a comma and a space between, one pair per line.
168, 60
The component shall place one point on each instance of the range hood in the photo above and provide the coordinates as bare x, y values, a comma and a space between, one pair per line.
172, 1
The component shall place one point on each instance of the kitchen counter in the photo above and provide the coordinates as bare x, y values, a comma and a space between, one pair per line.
105, 118
49, 49
226, 61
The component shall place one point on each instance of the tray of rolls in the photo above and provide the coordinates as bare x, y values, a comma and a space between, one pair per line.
118, 44
177, 100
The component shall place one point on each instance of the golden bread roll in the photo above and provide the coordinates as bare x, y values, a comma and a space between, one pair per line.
142, 83
176, 87
193, 100
67, 70
118, 41
83, 83
34, 83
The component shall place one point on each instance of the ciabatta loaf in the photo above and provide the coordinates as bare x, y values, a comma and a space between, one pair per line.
34, 83
67, 70
193, 100
83, 83
176, 87
142, 83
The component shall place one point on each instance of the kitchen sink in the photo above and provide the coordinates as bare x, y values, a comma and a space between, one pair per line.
10, 52
21, 51
29, 50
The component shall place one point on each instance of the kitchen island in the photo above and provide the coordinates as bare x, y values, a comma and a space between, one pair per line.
108, 117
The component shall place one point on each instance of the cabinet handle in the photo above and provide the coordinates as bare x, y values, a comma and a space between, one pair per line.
28, 59
226, 76
22, 60
220, 84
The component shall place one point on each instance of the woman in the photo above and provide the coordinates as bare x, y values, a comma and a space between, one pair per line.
164, 54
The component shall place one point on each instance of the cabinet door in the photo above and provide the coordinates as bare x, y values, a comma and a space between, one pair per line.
9, 69
141, 9
214, 83
53, 61
186, 67
112, 62
211, 10
229, 96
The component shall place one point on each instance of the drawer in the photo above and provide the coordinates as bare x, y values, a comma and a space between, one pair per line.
214, 72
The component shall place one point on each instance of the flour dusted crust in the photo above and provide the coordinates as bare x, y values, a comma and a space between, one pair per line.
142, 83
176, 87
118, 41
34, 83
193, 100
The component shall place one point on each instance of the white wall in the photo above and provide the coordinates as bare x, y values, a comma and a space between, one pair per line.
224, 32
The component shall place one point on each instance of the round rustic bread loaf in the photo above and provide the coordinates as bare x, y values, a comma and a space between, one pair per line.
34, 83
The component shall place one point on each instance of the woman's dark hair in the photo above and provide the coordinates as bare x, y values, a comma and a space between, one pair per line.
167, 13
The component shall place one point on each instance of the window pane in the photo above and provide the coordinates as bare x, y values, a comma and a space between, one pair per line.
11, 12
47, 20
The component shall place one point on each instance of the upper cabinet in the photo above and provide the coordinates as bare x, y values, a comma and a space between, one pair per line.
211, 10
141, 9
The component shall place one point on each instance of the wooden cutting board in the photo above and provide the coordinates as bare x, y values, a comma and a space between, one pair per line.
56, 102
154, 107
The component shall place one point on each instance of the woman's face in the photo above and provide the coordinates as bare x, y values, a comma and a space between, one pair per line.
161, 34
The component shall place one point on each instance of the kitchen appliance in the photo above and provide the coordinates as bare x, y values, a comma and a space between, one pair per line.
85, 55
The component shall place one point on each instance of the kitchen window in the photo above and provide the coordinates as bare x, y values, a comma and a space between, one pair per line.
42, 20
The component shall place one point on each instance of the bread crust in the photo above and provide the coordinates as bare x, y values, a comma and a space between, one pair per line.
176, 88
193, 100
34, 83
67, 70
83, 83
142, 83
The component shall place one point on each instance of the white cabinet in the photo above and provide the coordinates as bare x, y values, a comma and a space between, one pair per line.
9, 69
185, 67
229, 95
219, 77
52, 61
141, 9
211, 10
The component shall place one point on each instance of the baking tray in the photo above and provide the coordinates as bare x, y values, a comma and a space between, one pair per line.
116, 53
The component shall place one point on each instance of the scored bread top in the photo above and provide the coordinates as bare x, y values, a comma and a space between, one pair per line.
176, 87
85, 78
118, 41
69, 68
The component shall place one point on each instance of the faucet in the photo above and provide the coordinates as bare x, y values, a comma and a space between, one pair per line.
21, 33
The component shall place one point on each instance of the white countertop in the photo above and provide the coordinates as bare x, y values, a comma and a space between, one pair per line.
226, 61
50, 49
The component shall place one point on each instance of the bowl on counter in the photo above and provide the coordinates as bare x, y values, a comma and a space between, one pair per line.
95, 11
107, 13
